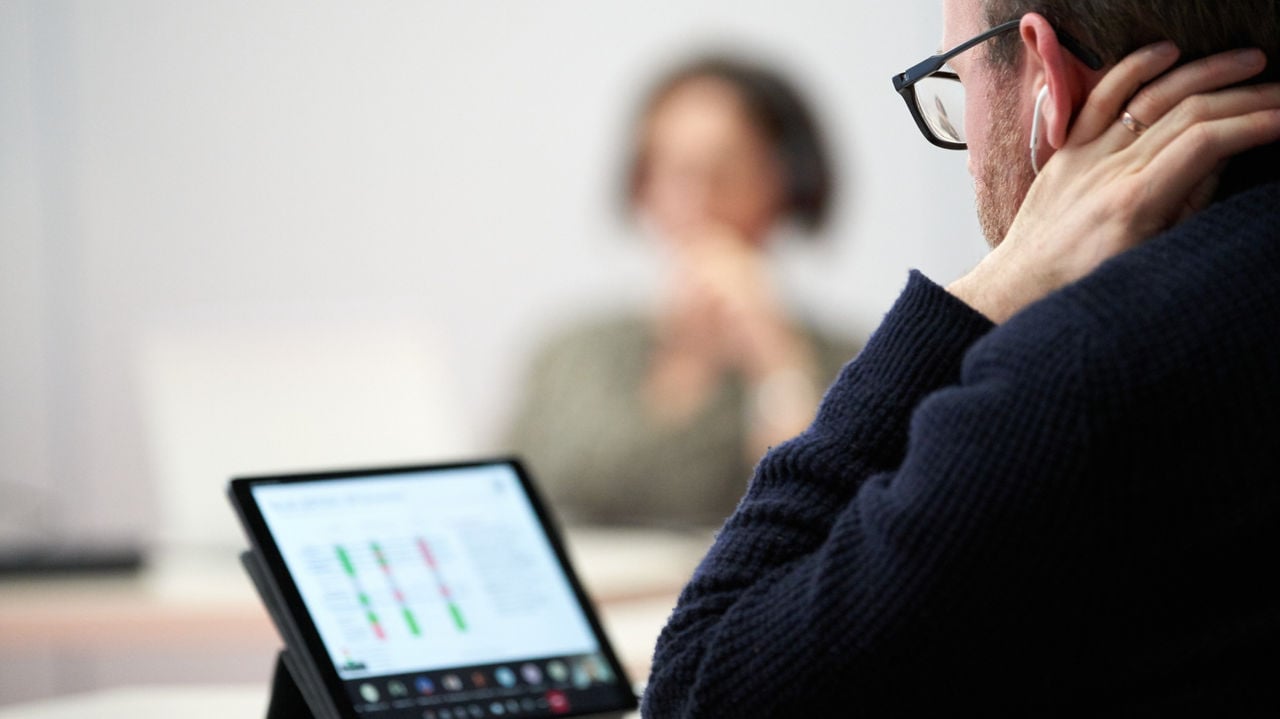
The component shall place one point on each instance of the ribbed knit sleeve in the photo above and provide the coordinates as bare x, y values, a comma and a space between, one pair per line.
731, 612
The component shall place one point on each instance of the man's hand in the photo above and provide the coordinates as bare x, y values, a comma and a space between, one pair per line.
1110, 188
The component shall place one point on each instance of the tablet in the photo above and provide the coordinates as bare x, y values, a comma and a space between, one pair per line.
431, 592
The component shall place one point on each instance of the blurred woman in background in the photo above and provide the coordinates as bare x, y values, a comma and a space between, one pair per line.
658, 418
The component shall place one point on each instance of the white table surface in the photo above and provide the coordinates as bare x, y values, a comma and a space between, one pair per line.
175, 702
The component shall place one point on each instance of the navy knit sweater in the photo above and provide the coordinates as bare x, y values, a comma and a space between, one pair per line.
1075, 512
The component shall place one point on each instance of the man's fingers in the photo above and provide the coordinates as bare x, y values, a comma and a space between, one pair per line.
1191, 156
1115, 93
1112, 93
1205, 108
1207, 74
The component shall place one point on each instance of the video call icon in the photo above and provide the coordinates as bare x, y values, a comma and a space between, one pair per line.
505, 676
557, 671
531, 673
557, 702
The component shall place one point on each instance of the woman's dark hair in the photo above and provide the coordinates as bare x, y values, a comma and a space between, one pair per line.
774, 106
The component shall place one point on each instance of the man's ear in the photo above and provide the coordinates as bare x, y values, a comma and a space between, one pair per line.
1049, 64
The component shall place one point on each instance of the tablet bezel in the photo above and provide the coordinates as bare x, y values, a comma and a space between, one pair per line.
261, 540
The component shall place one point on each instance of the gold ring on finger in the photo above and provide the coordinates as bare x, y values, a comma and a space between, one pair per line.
1133, 124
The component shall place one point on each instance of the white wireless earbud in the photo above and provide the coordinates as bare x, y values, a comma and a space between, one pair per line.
1035, 128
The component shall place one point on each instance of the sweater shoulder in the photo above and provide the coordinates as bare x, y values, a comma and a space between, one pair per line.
1193, 309
1197, 275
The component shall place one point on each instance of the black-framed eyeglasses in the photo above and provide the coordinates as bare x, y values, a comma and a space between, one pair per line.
935, 96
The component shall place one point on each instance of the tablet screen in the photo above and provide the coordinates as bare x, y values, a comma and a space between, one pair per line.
438, 594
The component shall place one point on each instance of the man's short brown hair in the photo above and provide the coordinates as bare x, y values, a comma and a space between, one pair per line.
1114, 28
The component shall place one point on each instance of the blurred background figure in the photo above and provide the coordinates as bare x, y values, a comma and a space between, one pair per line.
657, 416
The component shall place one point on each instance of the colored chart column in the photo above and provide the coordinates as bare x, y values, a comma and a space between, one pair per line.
455, 612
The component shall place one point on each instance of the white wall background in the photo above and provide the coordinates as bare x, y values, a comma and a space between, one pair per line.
196, 197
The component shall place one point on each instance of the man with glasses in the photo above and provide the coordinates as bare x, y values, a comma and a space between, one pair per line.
1053, 486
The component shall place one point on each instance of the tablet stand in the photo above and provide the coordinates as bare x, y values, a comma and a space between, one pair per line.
297, 691
287, 701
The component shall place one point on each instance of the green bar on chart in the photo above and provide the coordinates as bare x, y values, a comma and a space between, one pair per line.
412, 622
457, 617
346, 560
